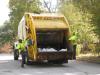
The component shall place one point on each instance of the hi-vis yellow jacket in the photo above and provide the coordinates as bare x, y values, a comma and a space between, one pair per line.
21, 46
73, 39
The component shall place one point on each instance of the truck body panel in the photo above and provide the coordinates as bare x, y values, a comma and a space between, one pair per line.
47, 31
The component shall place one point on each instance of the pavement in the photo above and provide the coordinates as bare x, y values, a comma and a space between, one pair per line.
92, 59
10, 67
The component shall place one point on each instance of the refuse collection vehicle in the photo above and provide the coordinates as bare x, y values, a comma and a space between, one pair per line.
49, 33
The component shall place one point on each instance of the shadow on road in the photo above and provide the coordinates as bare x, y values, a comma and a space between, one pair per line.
17, 63
45, 65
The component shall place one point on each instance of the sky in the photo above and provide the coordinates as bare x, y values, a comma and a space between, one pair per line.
4, 11
53, 4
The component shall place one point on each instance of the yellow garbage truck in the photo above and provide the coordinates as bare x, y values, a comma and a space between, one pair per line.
49, 34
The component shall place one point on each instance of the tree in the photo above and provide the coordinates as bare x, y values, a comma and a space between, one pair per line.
49, 6
18, 8
6, 34
79, 21
93, 7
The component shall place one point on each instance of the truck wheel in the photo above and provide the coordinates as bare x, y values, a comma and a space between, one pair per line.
16, 54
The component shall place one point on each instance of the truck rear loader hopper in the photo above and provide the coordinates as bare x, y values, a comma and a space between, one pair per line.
49, 34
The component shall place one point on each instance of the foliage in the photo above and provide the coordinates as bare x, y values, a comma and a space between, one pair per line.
6, 34
93, 7
83, 17
18, 8
79, 22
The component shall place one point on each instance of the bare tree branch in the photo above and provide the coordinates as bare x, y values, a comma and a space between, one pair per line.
47, 6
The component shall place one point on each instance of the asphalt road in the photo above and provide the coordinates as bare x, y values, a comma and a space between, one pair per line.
10, 67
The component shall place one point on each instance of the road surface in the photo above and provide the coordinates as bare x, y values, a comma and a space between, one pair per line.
10, 67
